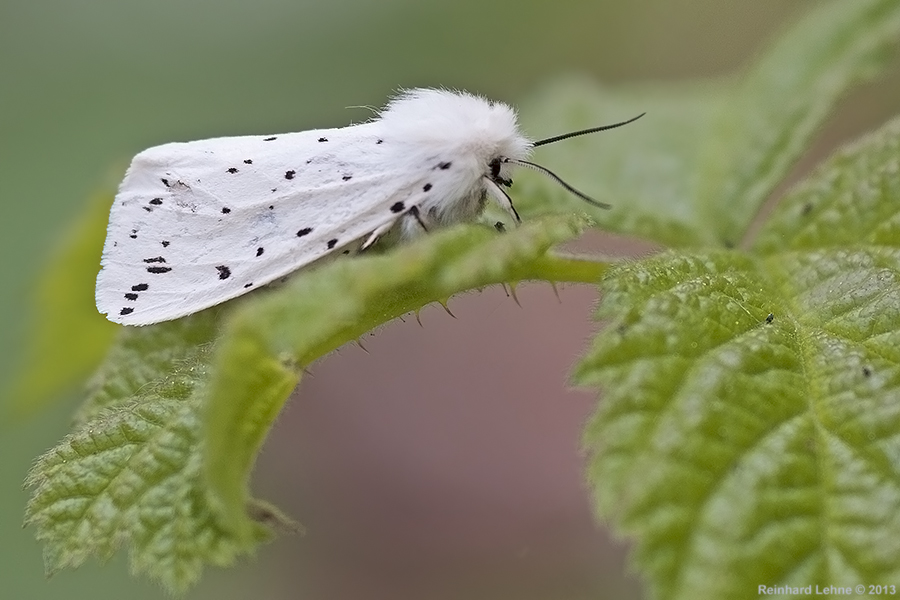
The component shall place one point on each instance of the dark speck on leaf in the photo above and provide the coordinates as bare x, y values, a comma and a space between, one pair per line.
807, 208
867, 372
770, 318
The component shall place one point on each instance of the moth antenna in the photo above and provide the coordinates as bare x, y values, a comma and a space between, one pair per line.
554, 176
566, 136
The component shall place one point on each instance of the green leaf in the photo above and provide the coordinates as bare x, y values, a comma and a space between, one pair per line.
783, 100
695, 170
266, 343
132, 472
742, 449
64, 310
164, 445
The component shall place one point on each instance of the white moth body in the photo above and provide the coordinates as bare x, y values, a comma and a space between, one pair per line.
195, 224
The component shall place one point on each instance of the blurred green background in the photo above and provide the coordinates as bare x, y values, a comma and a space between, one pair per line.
84, 85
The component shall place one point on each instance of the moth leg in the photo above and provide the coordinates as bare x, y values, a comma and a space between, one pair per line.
414, 211
373, 237
502, 198
412, 224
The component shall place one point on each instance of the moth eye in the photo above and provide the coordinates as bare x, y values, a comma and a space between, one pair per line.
495, 168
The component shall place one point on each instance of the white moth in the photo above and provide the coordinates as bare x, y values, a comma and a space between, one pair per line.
195, 224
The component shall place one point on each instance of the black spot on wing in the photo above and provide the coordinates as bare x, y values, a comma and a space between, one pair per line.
260, 250
347, 177
270, 139
232, 170
247, 285
248, 161
332, 243
133, 234
289, 174
156, 201
158, 270
380, 141
426, 187
165, 182
147, 208
444, 165
323, 139
397, 207
155, 259
131, 296
304, 231
226, 210
165, 244
126, 311
141, 287
224, 272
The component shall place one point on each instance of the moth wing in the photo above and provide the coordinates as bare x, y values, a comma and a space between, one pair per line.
195, 224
